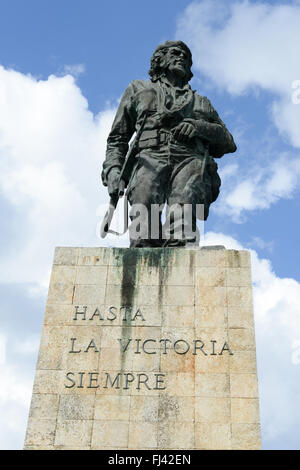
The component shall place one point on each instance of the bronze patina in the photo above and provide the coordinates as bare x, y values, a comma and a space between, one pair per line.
172, 161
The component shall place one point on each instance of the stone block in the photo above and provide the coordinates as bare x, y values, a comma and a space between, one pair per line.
245, 410
182, 384
177, 276
115, 359
182, 336
173, 362
88, 294
243, 385
237, 296
212, 385
149, 362
246, 436
177, 296
238, 277
137, 433
176, 408
44, 406
65, 256
144, 409
209, 258
48, 381
238, 259
244, 361
240, 316
40, 432
89, 275
63, 274
94, 257
210, 277
177, 316
211, 364
211, 316
114, 408
60, 293
73, 433
57, 315
175, 434
213, 297
76, 407
213, 338
241, 339
212, 410
147, 349
212, 436
110, 433
52, 348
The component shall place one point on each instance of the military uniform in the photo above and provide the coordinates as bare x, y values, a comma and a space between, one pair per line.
167, 170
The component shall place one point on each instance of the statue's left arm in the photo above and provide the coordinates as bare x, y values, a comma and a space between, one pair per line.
211, 128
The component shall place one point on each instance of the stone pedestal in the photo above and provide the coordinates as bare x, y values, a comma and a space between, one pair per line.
147, 349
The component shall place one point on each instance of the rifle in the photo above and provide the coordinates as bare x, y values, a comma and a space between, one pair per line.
123, 183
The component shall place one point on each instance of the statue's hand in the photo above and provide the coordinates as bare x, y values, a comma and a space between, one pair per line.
113, 179
184, 131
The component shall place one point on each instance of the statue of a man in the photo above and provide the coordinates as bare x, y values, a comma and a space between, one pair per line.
181, 135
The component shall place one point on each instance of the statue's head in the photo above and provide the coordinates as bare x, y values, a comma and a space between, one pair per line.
174, 56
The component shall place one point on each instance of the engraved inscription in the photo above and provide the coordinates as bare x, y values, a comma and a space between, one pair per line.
118, 380
126, 313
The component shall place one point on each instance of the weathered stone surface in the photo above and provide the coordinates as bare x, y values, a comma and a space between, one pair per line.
244, 410
73, 433
44, 406
76, 407
245, 436
110, 433
212, 436
212, 410
147, 349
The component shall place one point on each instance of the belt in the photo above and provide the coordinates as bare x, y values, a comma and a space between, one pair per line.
153, 137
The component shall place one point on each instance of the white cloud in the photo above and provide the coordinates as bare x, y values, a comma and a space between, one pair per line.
51, 152
277, 326
262, 244
2, 349
296, 352
286, 116
74, 69
258, 187
13, 418
244, 46
15, 392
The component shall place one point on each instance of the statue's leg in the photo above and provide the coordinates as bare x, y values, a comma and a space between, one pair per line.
146, 195
186, 202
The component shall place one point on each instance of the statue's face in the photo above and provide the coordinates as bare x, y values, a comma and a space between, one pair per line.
177, 61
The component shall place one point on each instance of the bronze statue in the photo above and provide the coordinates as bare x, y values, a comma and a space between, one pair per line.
178, 135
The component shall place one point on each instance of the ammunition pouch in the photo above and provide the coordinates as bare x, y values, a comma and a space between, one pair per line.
153, 138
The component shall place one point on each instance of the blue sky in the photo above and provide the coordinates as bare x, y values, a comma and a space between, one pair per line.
63, 67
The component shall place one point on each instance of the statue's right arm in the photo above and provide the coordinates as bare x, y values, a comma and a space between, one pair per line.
121, 132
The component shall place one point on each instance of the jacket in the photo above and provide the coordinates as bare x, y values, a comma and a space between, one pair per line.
166, 107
